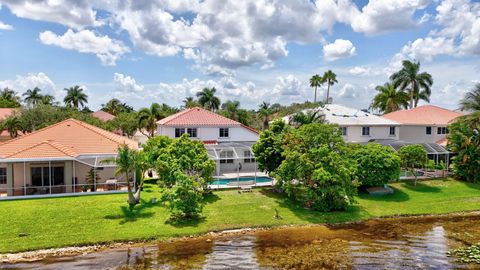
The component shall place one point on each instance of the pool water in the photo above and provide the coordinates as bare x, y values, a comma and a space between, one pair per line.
225, 181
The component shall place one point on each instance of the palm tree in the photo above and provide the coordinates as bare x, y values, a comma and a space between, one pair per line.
33, 97
129, 161
265, 112
147, 119
471, 100
409, 78
115, 107
207, 98
330, 78
310, 117
190, 102
231, 109
47, 100
389, 99
13, 125
75, 97
316, 81
9, 94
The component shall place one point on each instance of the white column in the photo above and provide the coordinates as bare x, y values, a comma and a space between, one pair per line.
50, 175
24, 180
74, 181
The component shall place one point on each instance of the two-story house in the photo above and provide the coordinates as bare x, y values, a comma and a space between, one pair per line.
423, 124
357, 126
227, 141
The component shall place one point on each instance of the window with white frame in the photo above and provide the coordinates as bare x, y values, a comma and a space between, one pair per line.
3, 176
442, 130
392, 131
248, 158
428, 130
365, 131
344, 131
224, 133
179, 132
192, 132
226, 157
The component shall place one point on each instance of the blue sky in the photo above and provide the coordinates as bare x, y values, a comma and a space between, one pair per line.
252, 51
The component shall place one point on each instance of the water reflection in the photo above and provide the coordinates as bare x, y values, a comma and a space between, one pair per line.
402, 243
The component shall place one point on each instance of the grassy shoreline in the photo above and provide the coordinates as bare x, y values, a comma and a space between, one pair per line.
88, 220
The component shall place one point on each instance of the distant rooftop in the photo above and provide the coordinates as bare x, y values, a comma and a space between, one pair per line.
424, 115
104, 116
6, 112
345, 116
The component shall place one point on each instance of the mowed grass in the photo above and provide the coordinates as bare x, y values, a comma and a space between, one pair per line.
56, 222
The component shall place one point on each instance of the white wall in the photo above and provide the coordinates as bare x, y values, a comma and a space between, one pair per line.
418, 134
354, 133
239, 134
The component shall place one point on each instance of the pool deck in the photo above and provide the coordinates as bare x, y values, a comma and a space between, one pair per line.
234, 184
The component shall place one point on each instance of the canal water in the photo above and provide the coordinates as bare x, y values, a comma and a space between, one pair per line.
393, 243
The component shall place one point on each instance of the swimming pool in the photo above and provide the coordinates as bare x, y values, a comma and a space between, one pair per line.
226, 181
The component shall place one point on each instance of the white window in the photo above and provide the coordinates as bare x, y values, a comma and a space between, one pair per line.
365, 131
248, 157
442, 130
392, 131
224, 133
179, 132
226, 157
344, 131
428, 130
3, 176
192, 132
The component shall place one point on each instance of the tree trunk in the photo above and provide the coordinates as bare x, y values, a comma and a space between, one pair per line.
131, 196
412, 93
415, 175
328, 92
315, 99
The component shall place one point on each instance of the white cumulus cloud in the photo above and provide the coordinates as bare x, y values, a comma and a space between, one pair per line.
127, 83
85, 41
341, 48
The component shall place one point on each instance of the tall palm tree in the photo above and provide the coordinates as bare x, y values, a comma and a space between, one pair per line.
13, 125
147, 119
231, 109
418, 85
9, 94
207, 98
310, 117
389, 99
75, 97
115, 107
190, 102
265, 112
129, 161
316, 81
33, 97
330, 78
471, 100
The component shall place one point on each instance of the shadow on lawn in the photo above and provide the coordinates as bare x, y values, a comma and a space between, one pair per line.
421, 187
135, 214
397, 196
352, 213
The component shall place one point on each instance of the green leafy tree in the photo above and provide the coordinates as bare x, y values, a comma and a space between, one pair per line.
464, 139
9, 98
330, 78
315, 171
208, 100
128, 162
126, 122
75, 97
389, 99
410, 79
413, 157
190, 102
184, 198
315, 82
33, 97
232, 110
376, 164
305, 118
47, 100
471, 100
268, 150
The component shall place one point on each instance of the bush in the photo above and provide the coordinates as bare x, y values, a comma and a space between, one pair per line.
315, 171
376, 164
183, 199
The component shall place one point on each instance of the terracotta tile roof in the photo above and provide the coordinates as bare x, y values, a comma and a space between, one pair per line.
199, 117
423, 115
443, 142
104, 116
6, 112
211, 142
69, 138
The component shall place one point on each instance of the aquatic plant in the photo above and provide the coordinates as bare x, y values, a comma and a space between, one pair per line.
469, 254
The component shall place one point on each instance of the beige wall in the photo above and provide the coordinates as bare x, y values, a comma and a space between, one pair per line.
417, 134
354, 133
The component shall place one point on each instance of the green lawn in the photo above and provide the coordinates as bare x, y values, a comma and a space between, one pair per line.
57, 222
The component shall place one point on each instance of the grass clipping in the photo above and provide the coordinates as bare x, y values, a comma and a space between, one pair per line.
469, 254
